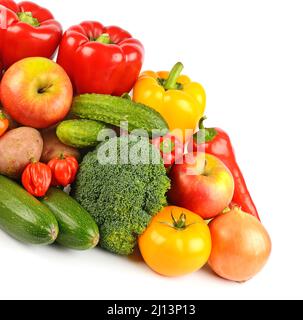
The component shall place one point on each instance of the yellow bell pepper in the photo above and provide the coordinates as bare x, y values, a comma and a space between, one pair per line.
181, 102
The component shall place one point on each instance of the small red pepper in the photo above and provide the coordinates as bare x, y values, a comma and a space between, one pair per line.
101, 59
215, 141
37, 178
4, 123
64, 170
170, 147
26, 30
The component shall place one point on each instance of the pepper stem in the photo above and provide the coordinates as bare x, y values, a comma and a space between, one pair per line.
171, 82
104, 38
27, 17
205, 135
201, 123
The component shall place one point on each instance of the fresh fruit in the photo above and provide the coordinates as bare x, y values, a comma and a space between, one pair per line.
4, 123
80, 133
37, 178
54, 148
119, 112
201, 184
23, 217
216, 142
176, 243
77, 228
36, 92
241, 246
17, 148
64, 170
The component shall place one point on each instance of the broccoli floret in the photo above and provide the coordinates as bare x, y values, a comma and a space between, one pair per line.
121, 196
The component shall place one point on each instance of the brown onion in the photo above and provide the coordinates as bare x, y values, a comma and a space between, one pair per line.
241, 246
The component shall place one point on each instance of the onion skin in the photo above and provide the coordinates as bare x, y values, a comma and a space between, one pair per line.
241, 246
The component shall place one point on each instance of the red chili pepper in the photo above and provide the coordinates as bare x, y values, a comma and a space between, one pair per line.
100, 59
4, 123
26, 30
64, 170
170, 147
215, 141
37, 178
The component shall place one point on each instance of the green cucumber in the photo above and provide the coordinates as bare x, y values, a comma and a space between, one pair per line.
77, 228
23, 217
120, 112
80, 133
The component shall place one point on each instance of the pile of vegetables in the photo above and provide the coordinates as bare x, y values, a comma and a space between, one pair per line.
83, 163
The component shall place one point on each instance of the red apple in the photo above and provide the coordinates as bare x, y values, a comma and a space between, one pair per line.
36, 92
202, 184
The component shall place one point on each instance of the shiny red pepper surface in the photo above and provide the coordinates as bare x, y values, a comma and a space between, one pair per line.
215, 141
26, 30
98, 59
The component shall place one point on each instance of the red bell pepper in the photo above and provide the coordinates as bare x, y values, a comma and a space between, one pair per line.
26, 30
64, 170
215, 141
98, 59
37, 178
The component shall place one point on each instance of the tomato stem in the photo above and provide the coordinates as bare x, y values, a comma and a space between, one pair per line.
181, 223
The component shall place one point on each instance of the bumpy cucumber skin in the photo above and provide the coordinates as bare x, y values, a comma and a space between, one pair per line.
78, 230
80, 133
115, 110
23, 217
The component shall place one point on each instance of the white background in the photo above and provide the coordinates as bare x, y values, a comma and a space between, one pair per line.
249, 57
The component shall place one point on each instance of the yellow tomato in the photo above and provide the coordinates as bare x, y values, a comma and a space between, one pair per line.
177, 242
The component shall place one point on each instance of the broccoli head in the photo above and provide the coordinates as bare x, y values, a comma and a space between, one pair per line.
122, 184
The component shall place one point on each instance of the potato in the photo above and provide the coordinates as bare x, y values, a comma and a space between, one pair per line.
18, 147
53, 147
